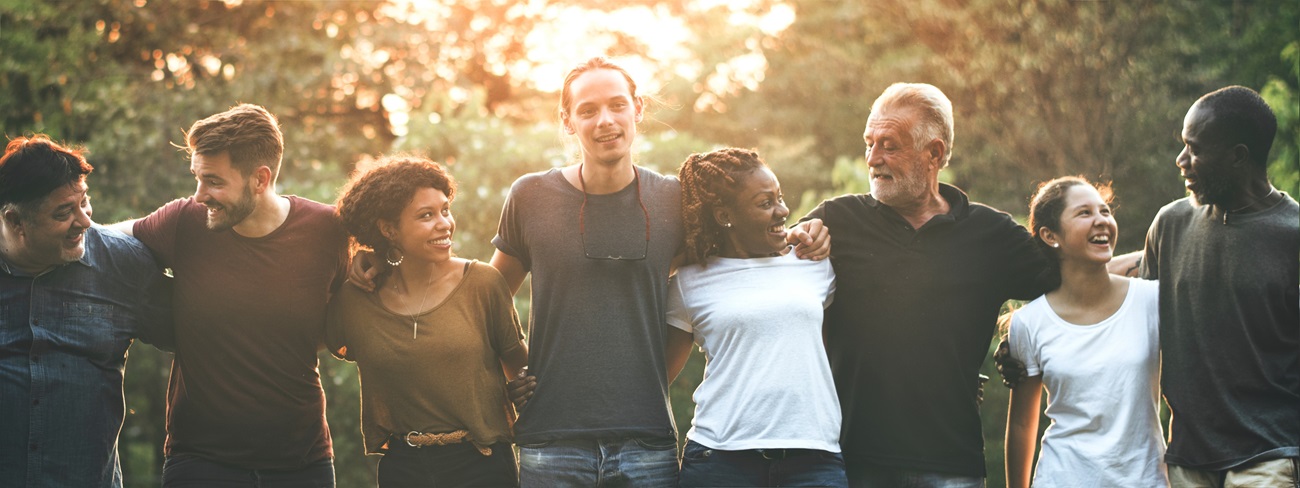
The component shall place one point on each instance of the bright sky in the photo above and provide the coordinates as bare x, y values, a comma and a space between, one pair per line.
569, 35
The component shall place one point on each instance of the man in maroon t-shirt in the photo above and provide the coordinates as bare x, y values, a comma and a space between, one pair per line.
253, 271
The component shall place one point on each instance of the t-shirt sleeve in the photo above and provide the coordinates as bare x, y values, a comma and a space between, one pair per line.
156, 326
1149, 268
510, 238
1022, 343
336, 328
1025, 264
678, 316
505, 330
830, 283
158, 230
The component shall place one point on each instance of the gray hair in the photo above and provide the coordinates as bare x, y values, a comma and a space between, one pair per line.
933, 107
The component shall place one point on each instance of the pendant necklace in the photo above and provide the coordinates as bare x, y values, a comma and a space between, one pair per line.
415, 323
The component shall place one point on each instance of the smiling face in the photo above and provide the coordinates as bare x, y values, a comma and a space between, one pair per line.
1206, 163
900, 174
54, 233
757, 215
424, 229
603, 114
1087, 230
226, 193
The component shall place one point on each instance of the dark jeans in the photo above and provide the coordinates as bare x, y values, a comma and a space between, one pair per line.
182, 471
451, 465
702, 466
872, 476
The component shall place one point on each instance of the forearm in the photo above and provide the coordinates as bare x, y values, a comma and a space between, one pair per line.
515, 361
126, 227
1022, 432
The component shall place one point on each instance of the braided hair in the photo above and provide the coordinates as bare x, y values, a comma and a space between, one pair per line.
711, 180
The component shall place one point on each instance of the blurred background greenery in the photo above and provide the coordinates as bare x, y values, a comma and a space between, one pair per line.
1040, 89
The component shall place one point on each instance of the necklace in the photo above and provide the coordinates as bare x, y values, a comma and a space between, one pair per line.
1263, 199
415, 323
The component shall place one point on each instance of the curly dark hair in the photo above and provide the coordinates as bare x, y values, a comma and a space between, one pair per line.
711, 180
1045, 210
381, 191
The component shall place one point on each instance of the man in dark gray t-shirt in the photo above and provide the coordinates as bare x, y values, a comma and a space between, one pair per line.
1228, 260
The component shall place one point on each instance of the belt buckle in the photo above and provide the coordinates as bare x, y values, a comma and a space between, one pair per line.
407, 438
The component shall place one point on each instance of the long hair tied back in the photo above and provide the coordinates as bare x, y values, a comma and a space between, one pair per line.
710, 180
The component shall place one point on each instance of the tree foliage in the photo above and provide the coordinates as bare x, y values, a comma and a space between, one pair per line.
1040, 88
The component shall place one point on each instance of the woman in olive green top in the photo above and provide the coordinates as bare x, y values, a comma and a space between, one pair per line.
434, 343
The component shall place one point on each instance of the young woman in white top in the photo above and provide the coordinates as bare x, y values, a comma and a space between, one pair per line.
1094, 344
766, 412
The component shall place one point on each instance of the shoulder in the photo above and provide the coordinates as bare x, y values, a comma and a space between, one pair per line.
1177, 209
483, 275
1032, 314
308, 206
120, 248
535, 180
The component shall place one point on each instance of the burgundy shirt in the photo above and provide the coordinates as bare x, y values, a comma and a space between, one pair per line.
250, 314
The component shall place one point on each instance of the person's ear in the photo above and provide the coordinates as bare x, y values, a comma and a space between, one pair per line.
387, 228
722, 217
13, 219
1049, 237
639, 103
568, 125
935, 152
263, 175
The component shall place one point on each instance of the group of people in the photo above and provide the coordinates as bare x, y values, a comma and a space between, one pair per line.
857, 370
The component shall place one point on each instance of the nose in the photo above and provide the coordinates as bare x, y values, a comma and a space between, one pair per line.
782, 211
81, 218
604, 118
1184, 159
872, 159
200, 193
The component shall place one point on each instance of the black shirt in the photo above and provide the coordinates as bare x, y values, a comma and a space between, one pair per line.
914, 314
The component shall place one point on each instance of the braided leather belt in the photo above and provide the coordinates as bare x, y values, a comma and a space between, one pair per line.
419, 439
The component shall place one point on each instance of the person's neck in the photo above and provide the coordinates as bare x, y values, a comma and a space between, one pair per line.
415, 276
1085, 284
1253, 196
600, 178
920, 212
269, 213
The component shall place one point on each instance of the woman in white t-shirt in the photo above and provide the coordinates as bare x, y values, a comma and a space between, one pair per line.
1094, 344
766, 413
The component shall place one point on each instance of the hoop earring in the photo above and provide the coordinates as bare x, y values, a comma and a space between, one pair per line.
388, 256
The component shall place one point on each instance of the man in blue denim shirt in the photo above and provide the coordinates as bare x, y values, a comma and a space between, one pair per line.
72, 297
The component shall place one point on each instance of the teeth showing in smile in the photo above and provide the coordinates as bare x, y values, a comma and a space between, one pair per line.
776, 228
446, 241
1100, 239
607, 138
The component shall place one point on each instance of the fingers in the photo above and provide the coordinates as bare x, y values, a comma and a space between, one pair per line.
812, 240
363, 270
521, 390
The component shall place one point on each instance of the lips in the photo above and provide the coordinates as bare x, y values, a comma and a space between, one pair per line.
445, 241
608, 138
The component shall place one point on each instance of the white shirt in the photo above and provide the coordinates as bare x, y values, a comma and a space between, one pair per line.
767, 383
1103, 384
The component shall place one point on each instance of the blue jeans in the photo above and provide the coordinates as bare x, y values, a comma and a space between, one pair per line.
871, 476
648, 462
183, 470
702, 466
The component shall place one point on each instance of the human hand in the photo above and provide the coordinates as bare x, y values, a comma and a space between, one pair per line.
979, 394
363, 270
521, 388
811, 240
1011, 369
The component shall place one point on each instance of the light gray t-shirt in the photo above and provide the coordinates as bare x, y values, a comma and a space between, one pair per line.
596, 326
